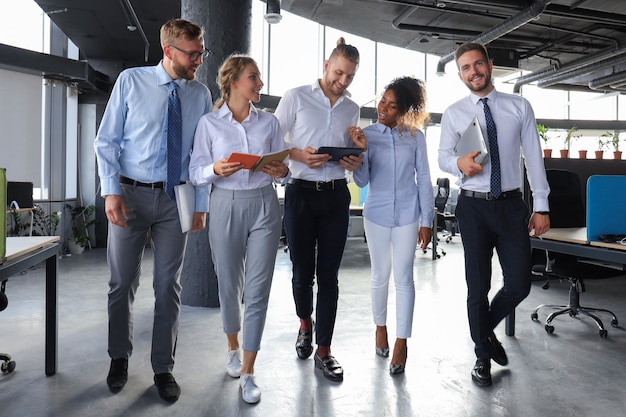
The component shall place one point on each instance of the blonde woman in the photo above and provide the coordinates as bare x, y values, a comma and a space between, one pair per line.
245, 219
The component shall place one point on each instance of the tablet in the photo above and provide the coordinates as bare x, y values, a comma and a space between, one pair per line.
336, 153
472, 140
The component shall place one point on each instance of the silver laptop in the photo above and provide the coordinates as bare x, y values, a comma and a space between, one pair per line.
472, 140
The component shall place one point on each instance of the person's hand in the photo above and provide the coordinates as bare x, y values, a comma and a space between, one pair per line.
351, 162
423, 237
538, 224
198, 222
358, 137
309, 156
276, 169
115, 210
226, 169
468, 166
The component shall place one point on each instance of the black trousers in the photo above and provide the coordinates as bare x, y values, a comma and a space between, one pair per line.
487, 225
316, 223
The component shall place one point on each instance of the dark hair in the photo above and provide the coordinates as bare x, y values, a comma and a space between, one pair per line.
470, 46
229, 72
349, 52
411, 101
175, 29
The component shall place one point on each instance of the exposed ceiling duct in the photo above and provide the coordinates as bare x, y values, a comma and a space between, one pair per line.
615, 80
564, 74
530, 13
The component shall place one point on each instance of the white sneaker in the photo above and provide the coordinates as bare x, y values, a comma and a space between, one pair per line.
250, 392
233, 363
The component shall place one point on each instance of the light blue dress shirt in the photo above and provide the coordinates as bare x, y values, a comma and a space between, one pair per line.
219, 134
306, 117
396, 167
517, 137
131, 140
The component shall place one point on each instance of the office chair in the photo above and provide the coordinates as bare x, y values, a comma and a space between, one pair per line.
7, 365
446, 221
566, 210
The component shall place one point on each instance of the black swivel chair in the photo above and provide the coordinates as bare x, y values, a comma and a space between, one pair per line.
7, 365
446, 222
566, 210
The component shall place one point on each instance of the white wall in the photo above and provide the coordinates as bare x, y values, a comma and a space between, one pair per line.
20, 126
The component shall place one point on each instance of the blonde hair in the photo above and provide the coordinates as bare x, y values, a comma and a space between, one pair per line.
228, 73
411, 101
176, 29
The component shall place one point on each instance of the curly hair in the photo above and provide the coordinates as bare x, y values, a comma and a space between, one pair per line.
411, 101
229, 72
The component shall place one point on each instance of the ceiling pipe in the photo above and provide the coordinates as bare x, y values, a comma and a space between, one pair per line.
565, 74
134, 20
530, 13
570, 66
613, 80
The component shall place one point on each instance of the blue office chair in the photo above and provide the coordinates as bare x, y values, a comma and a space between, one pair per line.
566, 210
7, 365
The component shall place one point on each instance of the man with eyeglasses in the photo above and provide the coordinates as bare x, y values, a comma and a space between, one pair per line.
151, 115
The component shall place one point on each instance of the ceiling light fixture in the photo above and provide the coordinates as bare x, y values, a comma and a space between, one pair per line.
272, 12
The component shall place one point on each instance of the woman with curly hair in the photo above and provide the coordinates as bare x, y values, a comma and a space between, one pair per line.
395, 166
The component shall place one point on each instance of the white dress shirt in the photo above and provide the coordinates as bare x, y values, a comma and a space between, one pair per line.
517, 137
306, 117
218, 135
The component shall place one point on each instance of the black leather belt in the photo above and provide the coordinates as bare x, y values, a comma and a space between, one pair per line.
153, 185
488, 196
318, 185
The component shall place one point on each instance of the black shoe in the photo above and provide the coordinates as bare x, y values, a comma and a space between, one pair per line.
481, 374
330, 367
168, 389
304, 347
497, 351
118, 375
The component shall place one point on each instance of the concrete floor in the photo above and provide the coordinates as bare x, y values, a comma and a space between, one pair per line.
572, 372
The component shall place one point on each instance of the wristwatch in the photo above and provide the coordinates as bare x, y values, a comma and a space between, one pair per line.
543, 213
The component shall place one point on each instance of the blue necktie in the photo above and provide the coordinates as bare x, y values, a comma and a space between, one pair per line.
492, 133
174, 140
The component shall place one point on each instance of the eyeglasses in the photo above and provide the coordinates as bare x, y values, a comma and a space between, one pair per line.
193, 56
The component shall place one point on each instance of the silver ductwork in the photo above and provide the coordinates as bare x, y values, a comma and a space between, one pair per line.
530, 13
614, 80
565, 74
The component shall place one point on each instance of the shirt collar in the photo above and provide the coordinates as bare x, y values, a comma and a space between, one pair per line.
316, 87
164, 78
224, 112
492, 96
384, 128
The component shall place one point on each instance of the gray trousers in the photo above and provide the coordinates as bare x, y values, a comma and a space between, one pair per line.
244, 230
149, 210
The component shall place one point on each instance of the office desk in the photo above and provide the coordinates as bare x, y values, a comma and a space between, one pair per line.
572, 241
23, 253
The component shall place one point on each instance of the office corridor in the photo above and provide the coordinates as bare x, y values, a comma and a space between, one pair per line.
570, 373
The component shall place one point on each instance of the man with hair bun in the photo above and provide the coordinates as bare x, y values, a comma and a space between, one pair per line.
317, 200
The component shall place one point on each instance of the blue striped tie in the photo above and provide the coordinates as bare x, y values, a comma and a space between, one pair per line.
174, 140
492, 133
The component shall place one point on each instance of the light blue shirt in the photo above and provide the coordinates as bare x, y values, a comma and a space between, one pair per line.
131, 140
396, 167
219, 134
306, 117
517, 137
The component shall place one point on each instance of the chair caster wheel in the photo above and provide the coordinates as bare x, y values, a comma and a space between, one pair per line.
534, 316
549, 329
614, 322
604, 333
8, 367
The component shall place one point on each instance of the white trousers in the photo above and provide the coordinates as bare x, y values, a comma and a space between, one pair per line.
393, 246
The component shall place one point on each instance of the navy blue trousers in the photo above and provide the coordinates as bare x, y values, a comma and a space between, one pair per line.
487, 225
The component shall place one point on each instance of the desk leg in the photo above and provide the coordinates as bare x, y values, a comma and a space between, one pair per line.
434, 237
51, 315
509, 324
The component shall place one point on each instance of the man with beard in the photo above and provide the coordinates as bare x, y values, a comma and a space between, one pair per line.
317, 200
490, 208
143, 149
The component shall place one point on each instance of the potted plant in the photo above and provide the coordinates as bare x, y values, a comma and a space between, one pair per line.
82, 218
603, 142
543, 135
567, 140
617, 154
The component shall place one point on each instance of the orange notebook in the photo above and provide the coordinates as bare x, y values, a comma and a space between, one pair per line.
255, 163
